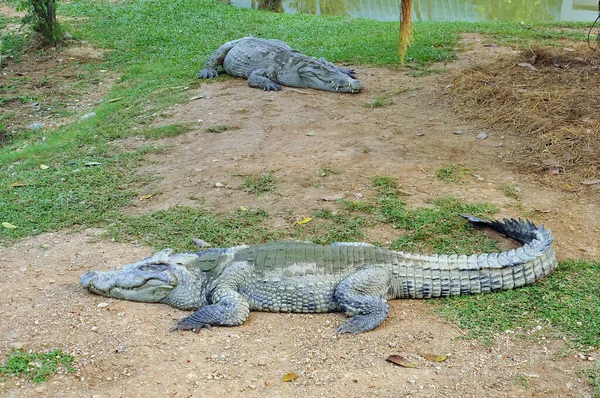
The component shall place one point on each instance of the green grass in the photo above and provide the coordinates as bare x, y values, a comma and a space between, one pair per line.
176, 227
452, 173
218, 129
511, 190
592, 374
565, 304
379, 102
326, 171
259, 184
38, 366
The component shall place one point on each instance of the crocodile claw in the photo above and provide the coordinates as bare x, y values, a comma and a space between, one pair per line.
208, 73
188, 324
272, 86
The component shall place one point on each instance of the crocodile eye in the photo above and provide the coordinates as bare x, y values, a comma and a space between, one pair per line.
154, 267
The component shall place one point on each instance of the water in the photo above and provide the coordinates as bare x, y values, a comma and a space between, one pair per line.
440, 10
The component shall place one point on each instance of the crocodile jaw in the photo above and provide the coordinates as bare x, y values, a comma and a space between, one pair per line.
150, 280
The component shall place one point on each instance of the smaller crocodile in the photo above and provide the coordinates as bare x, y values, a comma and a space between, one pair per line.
223, 285
270, 63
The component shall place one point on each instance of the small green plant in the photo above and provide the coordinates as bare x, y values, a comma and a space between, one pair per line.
218, 129
511, 190
38, 366
420, 71
522, 381
406, 89
385, 186
259, 184
29, 99
379, 102
365, 149
11, 45
325, 171
41, 14
592, 375
452, 173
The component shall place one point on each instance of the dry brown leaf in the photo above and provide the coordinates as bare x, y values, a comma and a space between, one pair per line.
435, 357
591, 182
400, 361
332, 198
290, 377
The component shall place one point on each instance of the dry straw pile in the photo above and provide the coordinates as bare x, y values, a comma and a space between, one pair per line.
550, 98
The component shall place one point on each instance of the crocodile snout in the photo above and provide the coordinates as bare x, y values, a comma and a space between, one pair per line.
88, 278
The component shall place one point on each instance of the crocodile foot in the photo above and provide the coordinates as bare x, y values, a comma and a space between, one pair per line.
359, 324
208, 73
190, 324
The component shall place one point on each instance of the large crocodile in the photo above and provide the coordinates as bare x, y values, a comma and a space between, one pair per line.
268, 64
224, 285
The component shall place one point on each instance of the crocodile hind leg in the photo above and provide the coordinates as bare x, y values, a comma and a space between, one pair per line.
360, 296
210, 68
230, 309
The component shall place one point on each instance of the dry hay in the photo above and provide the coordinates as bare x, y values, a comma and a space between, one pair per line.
550, 98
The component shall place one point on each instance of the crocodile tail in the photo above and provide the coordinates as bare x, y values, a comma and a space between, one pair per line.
524, 231
428, 276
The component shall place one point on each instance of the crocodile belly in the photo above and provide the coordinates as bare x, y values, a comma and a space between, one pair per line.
306, 294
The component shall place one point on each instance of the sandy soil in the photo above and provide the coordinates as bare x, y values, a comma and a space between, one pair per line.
125, 349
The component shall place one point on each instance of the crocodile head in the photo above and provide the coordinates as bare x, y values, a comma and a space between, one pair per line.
161, 278
319, 74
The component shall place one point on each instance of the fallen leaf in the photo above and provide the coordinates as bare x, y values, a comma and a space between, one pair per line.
90, 164
8, 225
305, 221
201, 243
591, 182
527, 65
44, 167
435, 357
17, 184
332, 198
242, 208
144, 197
197, 97
290, 377
400, 361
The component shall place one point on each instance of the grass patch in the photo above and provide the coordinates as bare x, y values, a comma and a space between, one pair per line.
259, 184
566, 303
511, 190
218, 129
169, 130
328, 227
452, 173
11, 46
176, 227
592, 374
325, 171
379, 102
38, 366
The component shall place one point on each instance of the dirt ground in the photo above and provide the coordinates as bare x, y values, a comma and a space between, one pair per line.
124, 348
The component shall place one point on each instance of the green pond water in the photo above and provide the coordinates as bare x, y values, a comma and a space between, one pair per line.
439, 10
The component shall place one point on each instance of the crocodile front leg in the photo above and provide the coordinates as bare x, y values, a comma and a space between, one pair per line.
230, 309
263, 78
210, 68
360, 295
